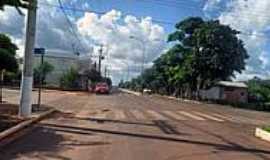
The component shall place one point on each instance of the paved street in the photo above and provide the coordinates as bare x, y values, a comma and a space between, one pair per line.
127, 127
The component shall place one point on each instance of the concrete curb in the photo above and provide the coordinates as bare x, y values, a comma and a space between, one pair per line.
180, 99
130, 92
168, 97
264, 135
11, 131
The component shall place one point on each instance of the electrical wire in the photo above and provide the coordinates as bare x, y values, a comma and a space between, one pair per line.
102, 13
72, 30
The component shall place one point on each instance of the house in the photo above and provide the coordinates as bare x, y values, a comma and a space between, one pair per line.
226, 91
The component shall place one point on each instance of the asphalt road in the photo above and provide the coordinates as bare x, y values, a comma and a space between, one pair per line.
127, 127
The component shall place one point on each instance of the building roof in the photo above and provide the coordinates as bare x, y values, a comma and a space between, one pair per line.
232, 84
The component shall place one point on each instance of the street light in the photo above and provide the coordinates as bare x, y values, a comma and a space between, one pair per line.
143, 43
127, 69
143, 51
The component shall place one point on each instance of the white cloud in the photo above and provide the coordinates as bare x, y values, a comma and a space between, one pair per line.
211, 5
111, 29
114, 32
52, 28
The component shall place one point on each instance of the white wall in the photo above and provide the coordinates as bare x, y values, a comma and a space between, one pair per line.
212, 93
60, 64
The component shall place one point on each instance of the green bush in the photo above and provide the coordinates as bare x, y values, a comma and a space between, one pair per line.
42, 70
266, 129
69, 80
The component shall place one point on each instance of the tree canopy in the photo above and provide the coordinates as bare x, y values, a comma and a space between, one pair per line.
8, 60
42, 70
203, 53
14, 3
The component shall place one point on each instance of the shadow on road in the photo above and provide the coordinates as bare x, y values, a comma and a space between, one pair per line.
162, 125
226, 140
99, 120
45, 142
40, 140
166, 127
217, 146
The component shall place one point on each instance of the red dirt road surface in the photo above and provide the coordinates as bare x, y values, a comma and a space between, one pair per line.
120, 126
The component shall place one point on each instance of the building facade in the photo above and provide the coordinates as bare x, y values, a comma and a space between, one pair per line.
62, 62
227, 91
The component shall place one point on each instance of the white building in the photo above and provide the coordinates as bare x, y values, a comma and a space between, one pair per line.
62, 62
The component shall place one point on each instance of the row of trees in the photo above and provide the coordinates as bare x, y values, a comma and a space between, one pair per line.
72, 79
259, 90
203, 53
9, 65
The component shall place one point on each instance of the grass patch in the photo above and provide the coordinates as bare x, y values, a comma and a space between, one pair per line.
250, 106
266, 129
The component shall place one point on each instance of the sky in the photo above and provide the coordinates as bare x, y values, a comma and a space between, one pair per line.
113, 22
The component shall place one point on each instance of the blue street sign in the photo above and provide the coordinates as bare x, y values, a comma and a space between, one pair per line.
39, 51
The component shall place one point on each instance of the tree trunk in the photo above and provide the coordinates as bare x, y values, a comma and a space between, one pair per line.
1, 86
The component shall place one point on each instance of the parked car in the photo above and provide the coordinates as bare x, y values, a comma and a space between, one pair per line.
102, 88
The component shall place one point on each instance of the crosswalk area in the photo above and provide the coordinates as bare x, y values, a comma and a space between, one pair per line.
166, 115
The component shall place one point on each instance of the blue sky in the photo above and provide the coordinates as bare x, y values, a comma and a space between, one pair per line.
163, 10
124, 18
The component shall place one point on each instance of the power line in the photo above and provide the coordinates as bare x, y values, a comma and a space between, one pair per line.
102, 13
72, 30
99, 12
154, 20
170, 4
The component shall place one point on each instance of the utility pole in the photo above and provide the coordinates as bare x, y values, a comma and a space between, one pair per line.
2, 84
100, 58
108, 72
41, 76
27, 75
105, 72
40, 52
128, 73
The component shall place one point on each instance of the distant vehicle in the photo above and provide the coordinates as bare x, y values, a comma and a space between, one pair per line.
147, 91
102, 88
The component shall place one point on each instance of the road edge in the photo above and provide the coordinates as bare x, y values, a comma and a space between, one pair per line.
130, 92
163, 96
262, 134
181, 99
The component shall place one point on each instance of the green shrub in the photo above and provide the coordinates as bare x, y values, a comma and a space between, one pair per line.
69, 80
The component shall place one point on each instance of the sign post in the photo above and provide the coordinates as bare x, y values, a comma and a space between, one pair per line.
41, 52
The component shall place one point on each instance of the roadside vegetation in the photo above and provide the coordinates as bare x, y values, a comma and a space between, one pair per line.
259, 94
266, 129
8, 69
69, 80
41, 71
8, 62
73, 80
203, 53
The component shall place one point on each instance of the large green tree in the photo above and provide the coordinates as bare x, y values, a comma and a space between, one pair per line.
8, 60
211, 51
203, 53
